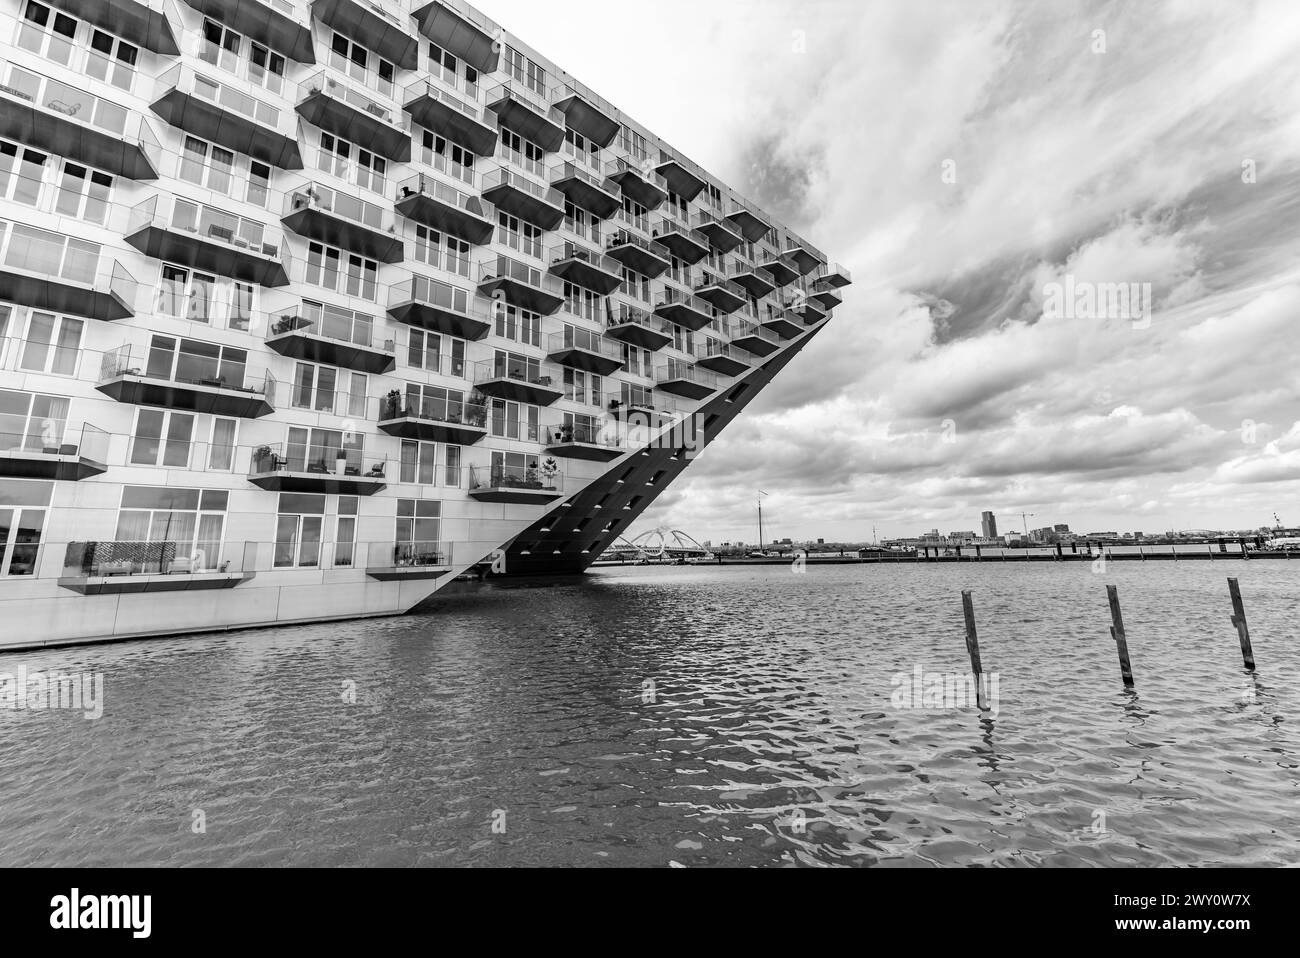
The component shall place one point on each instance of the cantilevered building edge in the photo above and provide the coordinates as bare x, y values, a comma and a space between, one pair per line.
306, 309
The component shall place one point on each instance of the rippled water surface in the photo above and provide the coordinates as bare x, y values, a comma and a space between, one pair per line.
690, 716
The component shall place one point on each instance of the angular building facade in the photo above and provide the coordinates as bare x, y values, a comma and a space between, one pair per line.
305, 309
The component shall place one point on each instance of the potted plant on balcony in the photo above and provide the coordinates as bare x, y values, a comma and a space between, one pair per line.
392, 404
263, 459
550, 469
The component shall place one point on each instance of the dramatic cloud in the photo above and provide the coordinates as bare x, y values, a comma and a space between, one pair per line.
960, 158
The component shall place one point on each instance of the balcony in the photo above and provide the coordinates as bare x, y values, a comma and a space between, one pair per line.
528, 112
688, 245
588, 114
338, 106
752, 227
395, 561
116, 567
683, 178
54, 452
644, 256
683, 309
538, 384
587, 268
683, 379
57, 118
754, 339
587, 190
721, 293
639, 407
521, 285
826, 296
721, 233
47, 270
805, 256
278, 24
628, 324
433, 420
437, 306
778, 266
719, 357
297, 467
641, 183
434, 108
749, 278
206, 238
525, 198
515, 484
782, 322
141, 22
196, 384
583, 349
806, 309
597, 443
384, 32
461, 30
227, 116
334, 340
446, 208
343, 220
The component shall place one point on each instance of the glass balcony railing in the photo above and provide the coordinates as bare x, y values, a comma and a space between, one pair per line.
62, 258
330, 457
312, 195
50, 436
644, 171
500, 177
358, 98
586, 340
186, 80
601, 433
677, 371
435, 409
526, 91
160, 557
350, 329
407, 556
209, 370
539, 478
210, 224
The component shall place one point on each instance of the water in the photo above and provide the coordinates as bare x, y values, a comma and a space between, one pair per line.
771, 700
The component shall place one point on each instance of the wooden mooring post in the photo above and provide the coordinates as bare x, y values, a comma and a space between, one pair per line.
973, 647
1117, 633
1239, 620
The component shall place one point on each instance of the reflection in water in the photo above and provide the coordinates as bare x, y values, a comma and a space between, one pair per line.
688, 716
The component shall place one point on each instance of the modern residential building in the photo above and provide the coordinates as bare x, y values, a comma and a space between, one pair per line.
306, 309
989, 525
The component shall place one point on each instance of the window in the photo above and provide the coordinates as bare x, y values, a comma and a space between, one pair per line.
524, 70
635, 214
329, 390
514, 468
583, 387
523, 153
634, 143
31, 421
581, 428
259, 183
84, 193
636, 360
361, 65
47, 33
23, 505
519, 234
451, 478
162, 438
447, 157
334, 322
221, 450
580, 148
520, 325
207, 165
298, 527
187, 294
442, 251
22, 171
517, 366
424, 352
345, 535
438, 404
220, 45
112, 60
325, 268
193, 361
418, 526
419, 462
447, 68
582, 302
193, 519
683, 339
346, 161
52, 345
581, 222
324, 451
635, 285
266, 68
512, 420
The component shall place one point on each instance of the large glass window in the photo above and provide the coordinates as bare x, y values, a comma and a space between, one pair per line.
193, 519
33, 422
162, 438
53, 344
298, 527
23, 505
22, 171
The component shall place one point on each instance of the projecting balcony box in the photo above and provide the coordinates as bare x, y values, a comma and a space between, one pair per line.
53, 271
519, 196
590, 269
584, 349
395, 561
515, 485
347, 341
462, 31
833, 276
338, 106
722, 234
520, 380
588, 114
384, 32
299, 467
644, 256
70, 122
683, 178
197, 383
528, 112
684, 309
638, 327
720, 293
437, 204
595, 443
754, 339
778, 266
826, 296
54, 452
749, 278
751, 225
281, 25
340, 219
141, 22
806, 256
640, 183
521, 285
721, 358
432, 419
804, 308
683, 379
112, 568
782, 322
435, 108
585, 189
434, 305
639, 407
211, 110
688, 245
181, 231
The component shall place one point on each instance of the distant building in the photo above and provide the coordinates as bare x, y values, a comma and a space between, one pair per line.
962, 537
1061, 527
990, 525
821, 542
1102, 535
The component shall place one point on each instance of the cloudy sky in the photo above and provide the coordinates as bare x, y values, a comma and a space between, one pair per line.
959, 158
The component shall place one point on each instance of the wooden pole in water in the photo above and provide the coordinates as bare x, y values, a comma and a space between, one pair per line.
1117, 633
1239, 620
973, 647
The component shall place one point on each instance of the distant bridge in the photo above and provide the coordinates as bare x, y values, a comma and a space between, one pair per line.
656, 545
